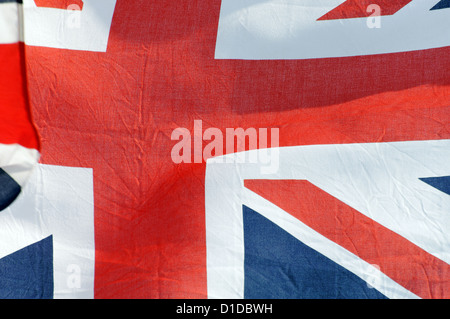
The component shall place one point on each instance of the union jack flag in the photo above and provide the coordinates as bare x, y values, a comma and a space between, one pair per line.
117, 178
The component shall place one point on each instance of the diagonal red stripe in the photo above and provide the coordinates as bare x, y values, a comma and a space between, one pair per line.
60, 4
407, 264
358, 9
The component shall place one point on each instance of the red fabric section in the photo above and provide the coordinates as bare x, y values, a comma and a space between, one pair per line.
115, 112
15, 121
60, 4
401, 260
358, 9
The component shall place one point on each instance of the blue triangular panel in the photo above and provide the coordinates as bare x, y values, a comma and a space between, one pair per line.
9, 190
441, 183
443, 4
278, 266
28, 273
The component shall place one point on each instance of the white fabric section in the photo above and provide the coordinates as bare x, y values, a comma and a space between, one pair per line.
380, 180
288, 29
9, 23
57, 201
18, 161
86, 30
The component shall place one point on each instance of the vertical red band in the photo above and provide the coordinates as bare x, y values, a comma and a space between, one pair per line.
15, 121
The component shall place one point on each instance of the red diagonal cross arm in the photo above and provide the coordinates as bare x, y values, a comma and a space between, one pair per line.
60, 4
358, 9
401, 260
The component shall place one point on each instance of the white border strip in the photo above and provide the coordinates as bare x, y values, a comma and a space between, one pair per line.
18, 161
86, 30
288, 29
10, 23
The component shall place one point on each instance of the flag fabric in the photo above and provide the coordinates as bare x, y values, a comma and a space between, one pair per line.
225, 149
19, 148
